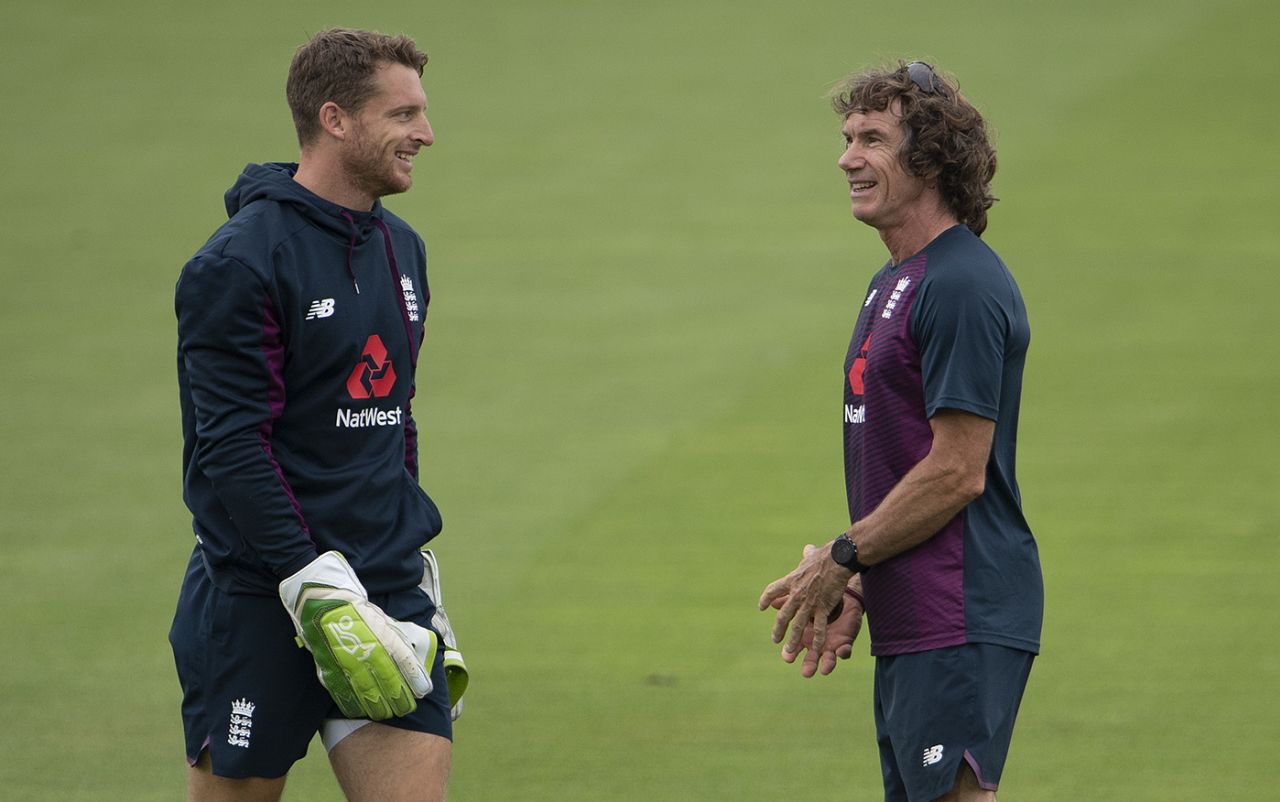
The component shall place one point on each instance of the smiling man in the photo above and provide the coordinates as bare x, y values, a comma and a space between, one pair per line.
299, 327
937, 554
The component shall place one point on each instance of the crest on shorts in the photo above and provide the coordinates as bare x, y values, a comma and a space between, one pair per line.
241, 727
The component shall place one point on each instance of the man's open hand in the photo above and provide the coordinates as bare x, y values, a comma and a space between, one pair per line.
841, 633
807, 595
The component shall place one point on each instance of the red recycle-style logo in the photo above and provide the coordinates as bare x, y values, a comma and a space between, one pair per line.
858, 366
374, 376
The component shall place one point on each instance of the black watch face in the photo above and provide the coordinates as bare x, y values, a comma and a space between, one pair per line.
843, 551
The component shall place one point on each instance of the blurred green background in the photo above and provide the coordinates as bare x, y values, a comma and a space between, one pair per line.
644, 273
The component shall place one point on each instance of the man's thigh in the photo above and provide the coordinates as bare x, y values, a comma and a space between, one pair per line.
205, 786
381, 763
940, 710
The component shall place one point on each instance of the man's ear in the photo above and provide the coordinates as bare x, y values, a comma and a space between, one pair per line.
333, 120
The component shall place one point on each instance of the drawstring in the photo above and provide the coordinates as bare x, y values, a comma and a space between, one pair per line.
351, 246
396, 287
395, 279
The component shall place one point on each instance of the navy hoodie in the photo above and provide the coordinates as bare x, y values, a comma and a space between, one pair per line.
299, 324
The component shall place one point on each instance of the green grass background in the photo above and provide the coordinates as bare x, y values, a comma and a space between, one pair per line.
644, 273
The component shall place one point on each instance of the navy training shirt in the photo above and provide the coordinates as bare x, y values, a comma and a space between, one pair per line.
945, 329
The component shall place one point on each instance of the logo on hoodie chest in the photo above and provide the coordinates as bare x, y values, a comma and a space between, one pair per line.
323, 307
374, 376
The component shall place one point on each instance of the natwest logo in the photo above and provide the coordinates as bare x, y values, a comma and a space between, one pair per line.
858, 367
374, 376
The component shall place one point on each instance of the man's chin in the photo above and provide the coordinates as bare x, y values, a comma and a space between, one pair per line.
395, 187
400, 182
863, 214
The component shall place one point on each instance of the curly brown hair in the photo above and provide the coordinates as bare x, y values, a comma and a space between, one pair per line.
341, 65
946, 135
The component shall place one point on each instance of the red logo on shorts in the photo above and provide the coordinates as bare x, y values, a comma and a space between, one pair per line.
859, 365
374, 376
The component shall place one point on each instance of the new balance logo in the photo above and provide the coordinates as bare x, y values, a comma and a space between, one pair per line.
320, 308
933, 755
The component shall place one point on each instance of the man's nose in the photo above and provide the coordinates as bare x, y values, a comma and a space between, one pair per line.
425, 134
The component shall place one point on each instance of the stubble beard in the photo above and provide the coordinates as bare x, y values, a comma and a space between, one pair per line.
371, 170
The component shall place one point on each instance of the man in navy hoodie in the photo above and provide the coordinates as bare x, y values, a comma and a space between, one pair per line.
299, 327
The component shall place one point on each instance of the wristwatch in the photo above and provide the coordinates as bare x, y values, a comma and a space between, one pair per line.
845, 552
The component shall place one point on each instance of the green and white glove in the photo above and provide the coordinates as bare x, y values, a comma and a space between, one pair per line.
455, 670
374, 666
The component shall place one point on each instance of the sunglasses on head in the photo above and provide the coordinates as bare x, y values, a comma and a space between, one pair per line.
923, 76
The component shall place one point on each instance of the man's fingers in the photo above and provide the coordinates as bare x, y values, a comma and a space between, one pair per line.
796, 641
773, 591
819, 634
810, 665
802, 623
785, 614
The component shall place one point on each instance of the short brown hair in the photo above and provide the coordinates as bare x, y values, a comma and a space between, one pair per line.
946, 136
339, 65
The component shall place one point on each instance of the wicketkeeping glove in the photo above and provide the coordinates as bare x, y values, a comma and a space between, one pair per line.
455, 670
374, 666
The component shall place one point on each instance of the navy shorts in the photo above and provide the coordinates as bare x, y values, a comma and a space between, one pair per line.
936, 708
250, 695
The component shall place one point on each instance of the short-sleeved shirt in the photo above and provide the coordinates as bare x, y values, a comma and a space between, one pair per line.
945, 329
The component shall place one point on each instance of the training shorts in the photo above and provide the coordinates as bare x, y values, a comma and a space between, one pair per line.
936, 708
250, 695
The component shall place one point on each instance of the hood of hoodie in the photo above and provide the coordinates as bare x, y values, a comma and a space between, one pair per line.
274, 181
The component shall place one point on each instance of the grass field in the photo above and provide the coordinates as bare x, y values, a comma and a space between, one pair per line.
643, 275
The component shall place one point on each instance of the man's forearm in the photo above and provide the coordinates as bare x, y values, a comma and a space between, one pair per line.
929, 496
